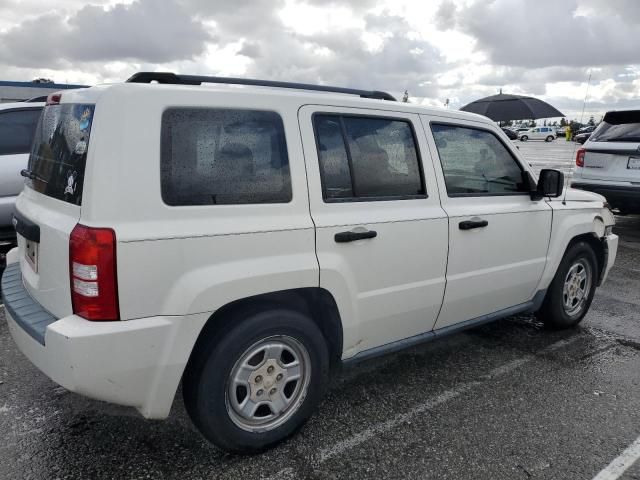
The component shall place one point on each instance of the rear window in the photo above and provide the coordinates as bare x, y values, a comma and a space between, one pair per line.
618, 127
223, 156
59, 152
16, 130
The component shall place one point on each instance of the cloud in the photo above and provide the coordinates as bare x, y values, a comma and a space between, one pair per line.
344, 58
139, 31
457, 49
548, 33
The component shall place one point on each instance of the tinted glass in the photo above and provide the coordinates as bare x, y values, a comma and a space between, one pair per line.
363, 157
475, 162
216, 157
623, 126
16, 130
59, 152
334, 164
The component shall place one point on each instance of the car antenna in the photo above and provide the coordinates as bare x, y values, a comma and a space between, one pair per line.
584, 104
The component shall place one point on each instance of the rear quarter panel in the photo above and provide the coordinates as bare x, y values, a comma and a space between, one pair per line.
190, 259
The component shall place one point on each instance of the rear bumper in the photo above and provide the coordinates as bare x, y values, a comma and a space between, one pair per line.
616, 195
136, 363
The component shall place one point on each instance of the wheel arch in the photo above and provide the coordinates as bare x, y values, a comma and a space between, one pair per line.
596, 244
568, 233
315, 302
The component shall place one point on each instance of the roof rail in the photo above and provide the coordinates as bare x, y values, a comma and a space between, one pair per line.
172, 78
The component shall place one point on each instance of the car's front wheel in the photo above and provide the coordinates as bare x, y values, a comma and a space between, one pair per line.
524, 138
570, 294
549, 139
256, 384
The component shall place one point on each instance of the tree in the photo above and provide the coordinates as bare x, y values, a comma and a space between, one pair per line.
544, 124
532, 123
405, 97
563, 122
591, 121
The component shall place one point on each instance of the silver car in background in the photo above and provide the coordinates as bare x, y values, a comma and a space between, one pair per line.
17, 125
609, 163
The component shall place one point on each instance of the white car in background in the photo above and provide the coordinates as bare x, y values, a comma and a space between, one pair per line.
609, 163
17, 124
547, 134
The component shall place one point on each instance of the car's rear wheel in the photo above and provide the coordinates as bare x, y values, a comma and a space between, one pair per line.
256, 384
570, 294
549, 139
524, 138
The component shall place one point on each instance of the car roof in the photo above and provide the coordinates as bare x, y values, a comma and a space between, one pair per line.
301, 97
12, 105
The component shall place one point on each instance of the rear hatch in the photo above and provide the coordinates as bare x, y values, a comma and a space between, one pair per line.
612, 152
49, 207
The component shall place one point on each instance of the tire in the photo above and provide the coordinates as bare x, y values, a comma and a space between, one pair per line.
566, 308
524, 138
549, 139
213, 383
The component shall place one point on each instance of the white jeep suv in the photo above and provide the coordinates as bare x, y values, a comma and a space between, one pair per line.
609, 163
246, 240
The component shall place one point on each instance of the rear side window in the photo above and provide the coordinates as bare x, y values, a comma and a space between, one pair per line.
474, 162
59, 154
367, 158
16, 130
223, 156
621, 126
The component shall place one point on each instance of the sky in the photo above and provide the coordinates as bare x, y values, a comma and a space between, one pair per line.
459, 50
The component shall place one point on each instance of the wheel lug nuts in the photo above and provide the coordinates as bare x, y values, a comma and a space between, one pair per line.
273, 391
260, 392
279, 377
270, 370
258, 379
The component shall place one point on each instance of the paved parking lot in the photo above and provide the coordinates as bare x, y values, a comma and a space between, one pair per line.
504, 401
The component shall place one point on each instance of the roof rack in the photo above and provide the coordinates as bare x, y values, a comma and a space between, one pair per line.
172, 78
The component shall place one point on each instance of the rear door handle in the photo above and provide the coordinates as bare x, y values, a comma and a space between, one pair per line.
344, 237
470, 224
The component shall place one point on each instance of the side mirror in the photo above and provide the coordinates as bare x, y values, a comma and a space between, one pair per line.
550, 183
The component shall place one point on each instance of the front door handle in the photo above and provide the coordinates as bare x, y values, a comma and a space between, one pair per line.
470, 224
344, 237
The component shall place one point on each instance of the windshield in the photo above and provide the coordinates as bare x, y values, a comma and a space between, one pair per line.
618, 127
59, 151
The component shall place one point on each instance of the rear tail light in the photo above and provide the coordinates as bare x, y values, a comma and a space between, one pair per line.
580, 157
92, 268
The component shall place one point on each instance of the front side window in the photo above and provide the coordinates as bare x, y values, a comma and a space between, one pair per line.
367, 158
475, 162
16, 130
223, 156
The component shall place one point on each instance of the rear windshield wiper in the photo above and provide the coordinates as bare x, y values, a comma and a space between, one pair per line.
32, 175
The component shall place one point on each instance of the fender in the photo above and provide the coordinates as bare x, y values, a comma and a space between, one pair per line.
570, 221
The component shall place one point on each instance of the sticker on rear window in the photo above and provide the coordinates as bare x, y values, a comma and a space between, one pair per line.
71, 183
85, 119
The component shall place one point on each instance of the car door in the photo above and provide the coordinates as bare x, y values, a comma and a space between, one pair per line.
498, 235
381, 234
